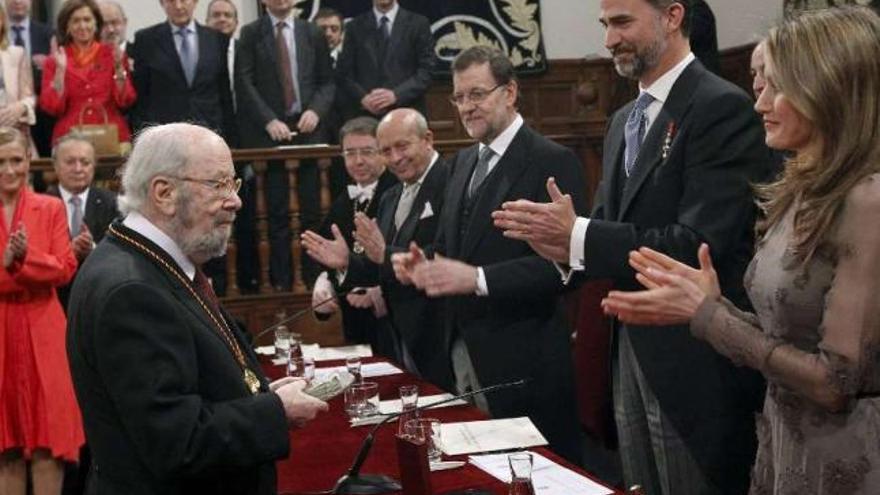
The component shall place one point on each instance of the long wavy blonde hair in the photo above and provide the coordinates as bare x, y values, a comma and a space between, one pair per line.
827, 63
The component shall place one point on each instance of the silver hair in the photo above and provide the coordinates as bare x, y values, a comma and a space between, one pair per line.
71, 137
158, 150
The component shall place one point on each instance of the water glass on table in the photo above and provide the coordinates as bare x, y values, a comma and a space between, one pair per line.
282, 343
409, 400
365, 398
426, 430
296, 345
353, 365
520, 474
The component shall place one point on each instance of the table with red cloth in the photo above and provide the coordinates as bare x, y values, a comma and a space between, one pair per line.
323, 451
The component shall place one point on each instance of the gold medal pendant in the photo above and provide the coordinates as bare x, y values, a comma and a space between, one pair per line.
251, 380
358, 249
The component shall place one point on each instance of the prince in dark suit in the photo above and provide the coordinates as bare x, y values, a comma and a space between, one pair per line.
386, 62
90, 210
172, 396
181, 73
503, 313
678, 166
284, 82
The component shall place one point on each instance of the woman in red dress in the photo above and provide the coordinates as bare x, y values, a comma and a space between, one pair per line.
84, 79
40, 422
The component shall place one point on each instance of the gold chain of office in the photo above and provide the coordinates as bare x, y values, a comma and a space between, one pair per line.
249, 377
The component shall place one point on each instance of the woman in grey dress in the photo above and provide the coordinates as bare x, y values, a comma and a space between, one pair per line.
815, 279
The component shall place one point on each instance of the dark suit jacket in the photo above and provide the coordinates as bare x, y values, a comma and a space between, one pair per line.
699, 193
405, 69
358, 325
519, 329
100, 212
41, 40
258, 83
163, 95
164, 404
414, 316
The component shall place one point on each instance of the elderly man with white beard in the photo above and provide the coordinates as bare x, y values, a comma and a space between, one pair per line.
173, 399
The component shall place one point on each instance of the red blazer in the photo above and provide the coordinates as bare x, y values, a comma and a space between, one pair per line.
27, 298
87, 86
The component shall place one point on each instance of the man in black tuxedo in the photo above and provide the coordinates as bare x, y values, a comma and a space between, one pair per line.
284, 84
370, 179
36, 39
678, 166
503, 313
387, 61
90, 209
181, 72
408, 212
172, 396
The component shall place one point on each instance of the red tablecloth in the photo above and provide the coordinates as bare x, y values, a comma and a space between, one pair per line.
323, 450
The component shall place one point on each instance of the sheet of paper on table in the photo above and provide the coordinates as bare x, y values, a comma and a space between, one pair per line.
491, 435
319, 353
393, 406
548, 478
368, 370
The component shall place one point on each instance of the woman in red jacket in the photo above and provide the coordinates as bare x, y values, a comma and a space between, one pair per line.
86, 79
40, 423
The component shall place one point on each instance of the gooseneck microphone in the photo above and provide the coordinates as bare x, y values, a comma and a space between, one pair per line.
354, 483
299, 314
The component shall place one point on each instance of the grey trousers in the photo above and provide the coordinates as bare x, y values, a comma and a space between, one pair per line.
652, 453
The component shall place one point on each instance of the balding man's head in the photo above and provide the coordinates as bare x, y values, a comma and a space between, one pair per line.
406, 143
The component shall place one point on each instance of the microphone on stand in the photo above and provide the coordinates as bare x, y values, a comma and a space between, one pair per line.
354, 483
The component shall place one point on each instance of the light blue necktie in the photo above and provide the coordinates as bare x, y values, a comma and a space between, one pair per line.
187, 56
634, 131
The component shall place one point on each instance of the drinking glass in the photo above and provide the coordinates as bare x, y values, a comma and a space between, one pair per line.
296, 345
425, 430
282, 343
409, 400
520, 474
296, 367
353, 401
353, 365
309, 368
368, 398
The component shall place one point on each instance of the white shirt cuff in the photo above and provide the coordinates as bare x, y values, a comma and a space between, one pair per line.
482, 287
576, 243
340, 276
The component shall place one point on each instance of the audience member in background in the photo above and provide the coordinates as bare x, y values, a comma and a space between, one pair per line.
370, 180
90, 209
333, 26
408, 212
284, 88
387, 61
815, 277
40, 423
17, 99
36, 39
114, 32
677, 171
502, 314
86, 81
704, 38
181, 73
223, 16
173, 399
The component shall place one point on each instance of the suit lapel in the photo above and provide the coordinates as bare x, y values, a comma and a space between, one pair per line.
614, 161
426, 191
303, 50
166, 43
650, 154
457, 190
495, 188
206, 47
397, 32
386, 212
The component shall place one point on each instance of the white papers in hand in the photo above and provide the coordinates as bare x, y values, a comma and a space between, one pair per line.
487, 436
548, 478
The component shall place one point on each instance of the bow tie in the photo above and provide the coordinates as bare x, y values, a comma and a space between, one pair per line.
359, 193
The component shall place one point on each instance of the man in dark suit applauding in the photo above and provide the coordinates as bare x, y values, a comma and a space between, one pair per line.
172, 396
181, 72
284, 89
678, 165
387, 60
408, 212
90, 209
503, 314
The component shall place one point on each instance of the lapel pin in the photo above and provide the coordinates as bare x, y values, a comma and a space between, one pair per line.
667, 141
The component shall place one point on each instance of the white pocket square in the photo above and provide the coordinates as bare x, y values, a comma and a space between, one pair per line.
427, 211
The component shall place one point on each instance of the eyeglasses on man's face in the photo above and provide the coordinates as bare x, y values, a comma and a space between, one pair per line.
364, 152
223, 188
474, 96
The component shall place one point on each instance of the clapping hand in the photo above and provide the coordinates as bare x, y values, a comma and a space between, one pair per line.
445, 277
368, 235
405, 264
83, 243
16, 248
545, 226
332, 253
673, 292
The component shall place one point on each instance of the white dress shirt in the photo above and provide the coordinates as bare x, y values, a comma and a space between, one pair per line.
140, 224
66, 196
25, 33
391, 15
660, 91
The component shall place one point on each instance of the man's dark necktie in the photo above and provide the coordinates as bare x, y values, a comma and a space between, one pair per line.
284, 67
18, 39
634, 131
481, 170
